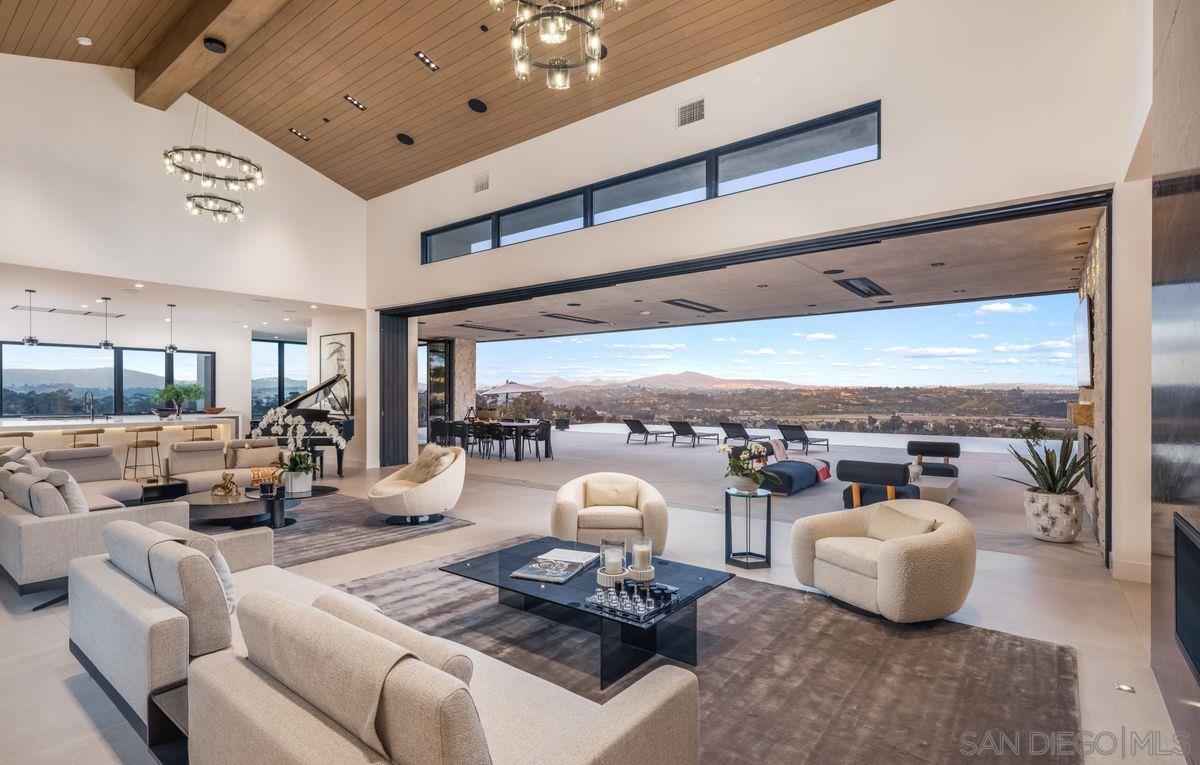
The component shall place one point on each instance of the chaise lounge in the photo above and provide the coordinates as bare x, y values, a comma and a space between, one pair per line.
685, 431
796, 434
638, 429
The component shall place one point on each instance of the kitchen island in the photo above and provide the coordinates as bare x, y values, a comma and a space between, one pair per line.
48, 430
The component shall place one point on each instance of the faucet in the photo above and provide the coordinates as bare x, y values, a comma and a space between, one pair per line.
89, 400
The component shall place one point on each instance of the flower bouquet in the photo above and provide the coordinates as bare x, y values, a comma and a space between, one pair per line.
297, 467
745, 466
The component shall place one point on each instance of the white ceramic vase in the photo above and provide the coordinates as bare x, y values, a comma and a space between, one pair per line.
297, 483
914, 471
743, 483
1054, 517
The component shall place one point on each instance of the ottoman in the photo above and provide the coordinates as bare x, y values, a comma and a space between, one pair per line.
793, 477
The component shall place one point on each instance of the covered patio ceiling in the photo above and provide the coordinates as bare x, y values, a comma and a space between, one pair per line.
1012, 258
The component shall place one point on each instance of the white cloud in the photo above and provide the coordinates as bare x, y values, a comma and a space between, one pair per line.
739, 361
1021, 348
866, 364
1009, 360
581, 339
839, 364
1005, 308
1011, 348
651, 346
794, 352
932, 352
1062, 355
726, 340
1053, 344
981, 336
926, 368
815, 337
759, 352
654, 356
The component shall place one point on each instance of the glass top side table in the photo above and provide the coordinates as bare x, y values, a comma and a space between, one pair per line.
747, 558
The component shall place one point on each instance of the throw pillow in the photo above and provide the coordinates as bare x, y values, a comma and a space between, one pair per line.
621, 492
12, 454
426, 464
256, 457
207, 545
17, 467
889, 523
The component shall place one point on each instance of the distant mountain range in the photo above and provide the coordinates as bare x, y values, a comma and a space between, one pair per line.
77, 379
272, 384
701, 381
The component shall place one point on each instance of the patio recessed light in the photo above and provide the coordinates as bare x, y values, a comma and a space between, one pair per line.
644, 313
426, 61
84, 41
664, 322
285, 318
355, 102
477, 105
299, 135
215, 45
834, 271
939, 264
139, 286
313, 305
405, 139
574, 305
812, 305
886, 301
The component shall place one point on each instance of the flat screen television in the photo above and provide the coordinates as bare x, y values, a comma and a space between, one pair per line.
1083, 341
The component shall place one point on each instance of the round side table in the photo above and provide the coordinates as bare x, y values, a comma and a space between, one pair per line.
747, 558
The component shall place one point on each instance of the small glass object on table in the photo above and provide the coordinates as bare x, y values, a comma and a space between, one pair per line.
612, 558
747, 558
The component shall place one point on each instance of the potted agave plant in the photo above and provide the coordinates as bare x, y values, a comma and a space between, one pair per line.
745, 466
297, 467
1053, 509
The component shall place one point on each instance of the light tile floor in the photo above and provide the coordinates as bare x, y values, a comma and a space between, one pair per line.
54, 713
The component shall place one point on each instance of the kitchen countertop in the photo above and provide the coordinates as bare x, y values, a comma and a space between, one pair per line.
115, 421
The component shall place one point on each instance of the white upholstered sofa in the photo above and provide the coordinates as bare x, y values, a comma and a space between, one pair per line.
98, 472
202, 463
609, 506
423, 490
888, 565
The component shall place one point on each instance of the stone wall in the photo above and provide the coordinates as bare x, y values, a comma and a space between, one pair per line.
1094, 285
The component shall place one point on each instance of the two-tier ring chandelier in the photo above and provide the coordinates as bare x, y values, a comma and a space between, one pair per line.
219, 173
549, 26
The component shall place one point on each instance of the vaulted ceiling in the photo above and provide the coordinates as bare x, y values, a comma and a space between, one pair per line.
290, 65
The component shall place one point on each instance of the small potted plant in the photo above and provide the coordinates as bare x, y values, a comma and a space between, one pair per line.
562, 419
296, 472
1053, 509
173, 396
745, 466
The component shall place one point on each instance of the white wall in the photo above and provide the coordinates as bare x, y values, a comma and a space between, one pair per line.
82, 188
982, 103
232, 346
335, 323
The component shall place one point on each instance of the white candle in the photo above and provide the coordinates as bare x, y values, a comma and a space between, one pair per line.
614, 560
641, 556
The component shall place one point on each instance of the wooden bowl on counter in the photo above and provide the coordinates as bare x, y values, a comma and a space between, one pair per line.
213, 409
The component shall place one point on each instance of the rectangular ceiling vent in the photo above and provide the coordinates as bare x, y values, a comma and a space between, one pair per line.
568, 317
67, 311
482, 182
484, 328
692, 111
862, 286
692, 305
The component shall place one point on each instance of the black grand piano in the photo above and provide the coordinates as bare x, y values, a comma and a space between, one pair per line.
325, 401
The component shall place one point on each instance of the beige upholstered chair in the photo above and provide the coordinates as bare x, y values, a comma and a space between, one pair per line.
610, 506
421, 492
907, 578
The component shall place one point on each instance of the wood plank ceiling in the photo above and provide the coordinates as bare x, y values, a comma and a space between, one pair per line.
295, 70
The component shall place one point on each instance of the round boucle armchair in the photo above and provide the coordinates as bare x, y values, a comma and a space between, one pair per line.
423, 490
610, 506
911, 578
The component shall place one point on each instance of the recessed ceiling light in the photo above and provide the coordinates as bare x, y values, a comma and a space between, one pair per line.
644, 313
285, 318
83, 305
426, 60
405, 139
574, 305
299, 135
664, 322
477, 105
139, 286
245, 326
887, 301
264, 324
939, 264
84, 41
167, 319
215, 44
763, 286
639, 300
812, 305
833, 271
355, 102
276, 337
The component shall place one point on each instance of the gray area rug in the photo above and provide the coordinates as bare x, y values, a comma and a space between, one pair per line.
341, 524
786, 676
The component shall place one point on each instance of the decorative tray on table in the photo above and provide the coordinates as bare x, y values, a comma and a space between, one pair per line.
632, 601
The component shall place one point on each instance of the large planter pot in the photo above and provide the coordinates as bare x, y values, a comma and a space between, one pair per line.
742, 483
562, 423
297, 483
1054, 517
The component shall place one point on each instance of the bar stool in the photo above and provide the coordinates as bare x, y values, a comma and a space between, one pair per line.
75, 433
145, 439
194, 432
21, 434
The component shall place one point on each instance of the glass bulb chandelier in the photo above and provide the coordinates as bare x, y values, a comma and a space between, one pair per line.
215, 170
171, 347
30, 339
106, 344
550, 27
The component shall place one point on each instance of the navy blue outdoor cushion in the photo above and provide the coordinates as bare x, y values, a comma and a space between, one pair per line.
793, 477
872, 493
939, 469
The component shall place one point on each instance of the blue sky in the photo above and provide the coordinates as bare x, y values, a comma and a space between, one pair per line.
1024, 340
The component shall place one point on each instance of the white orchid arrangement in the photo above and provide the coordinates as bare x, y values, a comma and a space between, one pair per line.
747, 461
282, 423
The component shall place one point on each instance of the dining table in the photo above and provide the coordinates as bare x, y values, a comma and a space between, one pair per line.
459, 433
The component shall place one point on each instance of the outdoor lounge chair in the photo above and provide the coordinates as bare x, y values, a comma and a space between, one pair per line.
686, 431
943, 449
738, 431
638, 428
796, 434
872, 482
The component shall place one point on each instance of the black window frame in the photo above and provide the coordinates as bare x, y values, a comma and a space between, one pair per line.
119, 373
710, 158
279, 377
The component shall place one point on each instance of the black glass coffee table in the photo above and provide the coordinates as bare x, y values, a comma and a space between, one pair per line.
248, 508
625, 641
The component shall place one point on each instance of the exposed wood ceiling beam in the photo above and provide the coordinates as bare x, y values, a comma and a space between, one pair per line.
180, 60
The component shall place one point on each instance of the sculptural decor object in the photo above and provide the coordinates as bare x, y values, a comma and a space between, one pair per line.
226, 488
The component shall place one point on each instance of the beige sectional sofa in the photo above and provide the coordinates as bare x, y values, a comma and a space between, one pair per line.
303, 673
202, 463
98, 472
